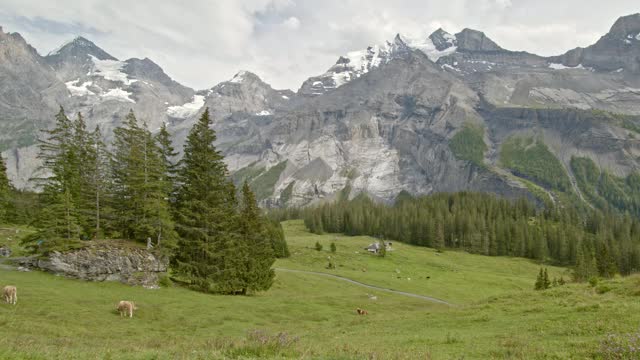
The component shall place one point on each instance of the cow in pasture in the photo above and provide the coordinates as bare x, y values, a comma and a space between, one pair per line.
126, 308
362, 311
10, 294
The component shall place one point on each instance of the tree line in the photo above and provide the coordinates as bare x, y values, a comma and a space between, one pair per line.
594, 243
216, 236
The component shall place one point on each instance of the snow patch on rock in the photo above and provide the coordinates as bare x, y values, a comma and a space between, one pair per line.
111, 70
429, 49
79, 90
188, 109
117, 94
564, 67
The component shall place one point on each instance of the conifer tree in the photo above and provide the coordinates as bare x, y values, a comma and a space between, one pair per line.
539, 281
205, 215
168, 154
5, 190
259, 275
333, 247
141, 199
382, 252
438, 241
545, 280
59, 181
98, 172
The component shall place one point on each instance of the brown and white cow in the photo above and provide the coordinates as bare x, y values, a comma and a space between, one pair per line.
10, 294
126, 308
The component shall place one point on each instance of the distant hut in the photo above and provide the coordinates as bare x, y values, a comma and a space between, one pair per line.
375, 247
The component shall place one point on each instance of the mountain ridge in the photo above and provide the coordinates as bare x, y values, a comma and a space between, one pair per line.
379, 121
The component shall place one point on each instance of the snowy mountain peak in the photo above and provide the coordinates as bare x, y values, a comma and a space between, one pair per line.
442, 40
244, 76
80, 46
625, 26
474, 40
358, 63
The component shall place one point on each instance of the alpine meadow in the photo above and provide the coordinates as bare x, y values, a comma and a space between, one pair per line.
432, 195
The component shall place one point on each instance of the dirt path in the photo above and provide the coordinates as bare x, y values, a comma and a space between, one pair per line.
427, 298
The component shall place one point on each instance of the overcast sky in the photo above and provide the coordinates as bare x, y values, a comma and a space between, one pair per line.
202, 42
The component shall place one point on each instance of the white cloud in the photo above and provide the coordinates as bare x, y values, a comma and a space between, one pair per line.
291, 23
203, 42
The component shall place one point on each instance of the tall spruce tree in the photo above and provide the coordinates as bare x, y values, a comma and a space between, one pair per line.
59, 181
168, 155
259, 275
99, 187
206, 217
5, 191
141, 196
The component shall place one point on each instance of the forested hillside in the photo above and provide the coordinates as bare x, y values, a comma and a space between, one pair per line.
594, 243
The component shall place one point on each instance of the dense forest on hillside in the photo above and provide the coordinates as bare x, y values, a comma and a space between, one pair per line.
216, 236
594, 243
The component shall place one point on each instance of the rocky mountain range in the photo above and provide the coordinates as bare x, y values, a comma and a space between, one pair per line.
446, 112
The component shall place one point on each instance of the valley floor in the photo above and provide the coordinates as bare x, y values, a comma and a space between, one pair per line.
494, 312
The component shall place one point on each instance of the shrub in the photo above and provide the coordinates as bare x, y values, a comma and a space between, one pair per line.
602, 289
318, 246
165, 281
333, 247
593, 281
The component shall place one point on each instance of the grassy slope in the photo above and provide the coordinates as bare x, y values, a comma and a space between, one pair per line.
533, 160
456, 277
61, 318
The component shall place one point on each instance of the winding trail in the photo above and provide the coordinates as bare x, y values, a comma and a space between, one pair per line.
427, 298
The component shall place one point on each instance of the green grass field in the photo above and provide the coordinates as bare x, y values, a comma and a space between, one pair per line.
496, 314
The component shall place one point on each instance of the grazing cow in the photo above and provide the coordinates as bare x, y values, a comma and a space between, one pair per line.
126, 307
10, 294
362, 311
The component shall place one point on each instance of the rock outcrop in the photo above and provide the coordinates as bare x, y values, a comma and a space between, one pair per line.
104, 262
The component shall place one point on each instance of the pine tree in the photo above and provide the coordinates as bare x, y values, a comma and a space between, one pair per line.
382, 252
585, 266
205, 215
275, 234
98, 173
5, 191
539, 281
168, 154
438, 241
546, 282
59, 184
333, 247
141, 193
318, 246
259, 275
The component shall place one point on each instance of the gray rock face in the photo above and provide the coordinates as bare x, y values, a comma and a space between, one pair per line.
442, 40
618, 50
354, 65
473, 40
379, 121
104, 262
29, 92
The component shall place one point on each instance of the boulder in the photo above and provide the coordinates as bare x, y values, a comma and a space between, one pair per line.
105, 262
